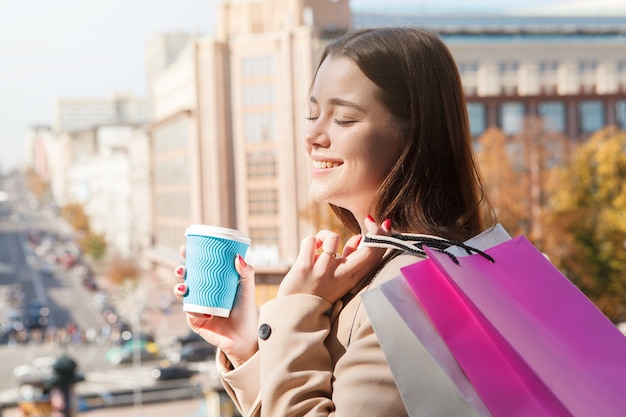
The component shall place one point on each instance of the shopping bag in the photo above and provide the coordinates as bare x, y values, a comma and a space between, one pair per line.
428, 377
429, 380
529, 342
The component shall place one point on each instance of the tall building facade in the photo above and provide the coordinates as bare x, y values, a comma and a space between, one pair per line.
568, 70
227, 128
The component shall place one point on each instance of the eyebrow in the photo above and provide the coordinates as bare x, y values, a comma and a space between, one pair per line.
340, 102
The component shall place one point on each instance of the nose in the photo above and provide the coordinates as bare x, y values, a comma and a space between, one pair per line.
315, 135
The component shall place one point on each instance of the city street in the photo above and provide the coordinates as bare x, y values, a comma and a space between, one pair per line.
71, 322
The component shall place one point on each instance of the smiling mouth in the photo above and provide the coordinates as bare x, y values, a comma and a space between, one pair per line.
325, 164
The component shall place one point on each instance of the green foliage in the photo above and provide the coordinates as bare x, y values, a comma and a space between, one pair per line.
94, 245
589, 221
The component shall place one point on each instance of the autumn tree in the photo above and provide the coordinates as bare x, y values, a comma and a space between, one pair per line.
589, 220
37, 185
501, 182
91, 243
516, 172
74, 215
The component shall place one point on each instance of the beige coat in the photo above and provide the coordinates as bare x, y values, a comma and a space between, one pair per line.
318, 360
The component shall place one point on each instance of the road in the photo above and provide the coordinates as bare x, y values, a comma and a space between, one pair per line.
27, 273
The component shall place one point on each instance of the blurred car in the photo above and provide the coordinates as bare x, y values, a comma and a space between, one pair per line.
193, 352
190, 338
125, 353
37, 314
164, 373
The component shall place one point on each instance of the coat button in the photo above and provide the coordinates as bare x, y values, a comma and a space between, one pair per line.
264, 331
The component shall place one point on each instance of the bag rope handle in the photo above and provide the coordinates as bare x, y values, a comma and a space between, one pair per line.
414, 243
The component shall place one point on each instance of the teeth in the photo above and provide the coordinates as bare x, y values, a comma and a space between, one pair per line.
325, 164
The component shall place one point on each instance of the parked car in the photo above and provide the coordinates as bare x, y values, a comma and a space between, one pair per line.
193, 352
125, 353
164, 373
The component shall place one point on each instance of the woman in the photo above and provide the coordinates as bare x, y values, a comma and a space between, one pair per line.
388, 138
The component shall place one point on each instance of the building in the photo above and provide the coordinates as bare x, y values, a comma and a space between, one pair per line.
225, 136
568, 70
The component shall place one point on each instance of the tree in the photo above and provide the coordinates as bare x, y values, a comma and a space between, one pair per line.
120, 270
75, 215
516, 172
37, 185
588, 217
501, 182
94, 245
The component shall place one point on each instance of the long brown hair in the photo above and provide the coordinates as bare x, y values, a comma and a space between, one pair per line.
435, 186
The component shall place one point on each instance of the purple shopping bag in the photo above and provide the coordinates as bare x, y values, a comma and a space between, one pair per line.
529, 341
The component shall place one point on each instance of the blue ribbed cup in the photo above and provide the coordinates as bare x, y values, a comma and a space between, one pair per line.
211, 277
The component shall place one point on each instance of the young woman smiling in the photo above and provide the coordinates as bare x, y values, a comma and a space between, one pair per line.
388, 138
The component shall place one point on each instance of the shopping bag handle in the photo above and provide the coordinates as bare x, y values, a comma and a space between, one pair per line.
414, 243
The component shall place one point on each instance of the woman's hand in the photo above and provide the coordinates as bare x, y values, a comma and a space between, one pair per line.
236, 335
328, 274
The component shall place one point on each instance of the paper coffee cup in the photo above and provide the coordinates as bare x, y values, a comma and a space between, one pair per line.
211, 277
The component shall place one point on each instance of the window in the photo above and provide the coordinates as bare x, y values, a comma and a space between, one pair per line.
468, 67
262, 164
263, 202
553, 114
264, 235
260, 127
587, 66
477, 118
508, 67
548, 66
258, 95
620, 113
258, 66
512, 117
591, 116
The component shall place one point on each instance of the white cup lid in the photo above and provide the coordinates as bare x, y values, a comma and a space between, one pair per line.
216, 231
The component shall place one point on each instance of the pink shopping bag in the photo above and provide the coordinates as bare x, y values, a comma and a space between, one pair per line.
529, 341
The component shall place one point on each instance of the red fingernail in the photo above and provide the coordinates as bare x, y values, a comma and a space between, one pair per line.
241, 261
179, 270
370, 218
208, 316
387, 224
181, 288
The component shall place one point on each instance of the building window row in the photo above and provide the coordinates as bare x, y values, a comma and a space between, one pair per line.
263, 202
268, 235
261, 164
173, 205
544, 67
591, 116
170, 171
171, 136
258, 94
257, 66
260, 126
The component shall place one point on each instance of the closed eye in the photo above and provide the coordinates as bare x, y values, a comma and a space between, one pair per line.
345, 122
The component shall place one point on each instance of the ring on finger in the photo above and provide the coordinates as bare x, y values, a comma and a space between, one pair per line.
334, 255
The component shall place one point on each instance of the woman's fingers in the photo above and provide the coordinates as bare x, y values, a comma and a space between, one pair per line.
328, 241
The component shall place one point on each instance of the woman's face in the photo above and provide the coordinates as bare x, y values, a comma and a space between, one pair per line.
350, 137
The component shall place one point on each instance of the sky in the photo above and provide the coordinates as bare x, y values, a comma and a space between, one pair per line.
52, 49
